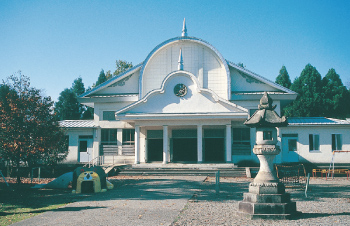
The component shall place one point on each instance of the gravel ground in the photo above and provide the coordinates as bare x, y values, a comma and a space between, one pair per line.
193, 201
328, 203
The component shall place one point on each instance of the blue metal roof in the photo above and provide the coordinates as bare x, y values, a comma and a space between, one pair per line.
315, 121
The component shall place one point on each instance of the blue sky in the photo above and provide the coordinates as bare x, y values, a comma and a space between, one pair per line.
54, 42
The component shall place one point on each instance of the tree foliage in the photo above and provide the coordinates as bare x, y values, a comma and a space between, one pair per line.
29, 132
309, 87
283, 78
101, 78
122, 66
335, 95
317, 96
68, 107
78, 86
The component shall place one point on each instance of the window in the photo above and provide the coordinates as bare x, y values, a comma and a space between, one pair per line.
291, 140
128, 136
267, 135
109, 115
314, 143
336, 142
83, 146
292, 144
241, 141
109, 136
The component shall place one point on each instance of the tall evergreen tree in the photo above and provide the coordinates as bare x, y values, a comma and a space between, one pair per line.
78, 86
101, 78
309, 101
283, 78
335, 95
68, 107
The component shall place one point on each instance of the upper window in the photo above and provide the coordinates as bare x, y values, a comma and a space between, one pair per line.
128, 136
314, 142
109, 115
108, 136
336, 142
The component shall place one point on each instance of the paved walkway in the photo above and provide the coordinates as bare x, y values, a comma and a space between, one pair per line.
146, 201
190, 201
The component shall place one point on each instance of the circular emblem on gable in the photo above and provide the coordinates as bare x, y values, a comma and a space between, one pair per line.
180, 90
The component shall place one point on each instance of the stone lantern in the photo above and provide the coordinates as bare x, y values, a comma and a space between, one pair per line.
266, 198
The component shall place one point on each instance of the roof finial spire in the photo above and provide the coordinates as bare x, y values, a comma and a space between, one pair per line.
180, 66
184, 29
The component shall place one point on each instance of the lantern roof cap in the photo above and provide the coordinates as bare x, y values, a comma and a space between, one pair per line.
266, 116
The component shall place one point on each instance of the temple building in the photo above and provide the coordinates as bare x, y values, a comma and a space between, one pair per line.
186, 103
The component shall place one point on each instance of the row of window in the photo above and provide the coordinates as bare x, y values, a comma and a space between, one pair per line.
314, 142
109, 136
240, 140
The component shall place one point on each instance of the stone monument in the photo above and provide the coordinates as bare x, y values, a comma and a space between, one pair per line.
266, 198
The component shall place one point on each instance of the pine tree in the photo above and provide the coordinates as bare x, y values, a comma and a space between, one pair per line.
78, 86
68, 107
309, 101
335, 95
101, 78
283, 78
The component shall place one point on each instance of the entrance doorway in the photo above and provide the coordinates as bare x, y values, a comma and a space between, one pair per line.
184, 146
154, 145
85, 148
214, 145
290, 148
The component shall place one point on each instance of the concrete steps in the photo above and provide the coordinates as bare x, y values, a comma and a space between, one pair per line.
226, 170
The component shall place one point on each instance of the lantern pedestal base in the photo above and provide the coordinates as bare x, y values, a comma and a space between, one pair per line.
267, 202
267, 198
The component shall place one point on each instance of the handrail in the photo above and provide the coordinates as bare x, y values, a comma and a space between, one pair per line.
99, 160
94, 162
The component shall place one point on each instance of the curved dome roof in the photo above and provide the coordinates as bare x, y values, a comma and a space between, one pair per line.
199, 57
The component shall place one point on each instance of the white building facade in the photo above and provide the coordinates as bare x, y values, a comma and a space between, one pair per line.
184, 103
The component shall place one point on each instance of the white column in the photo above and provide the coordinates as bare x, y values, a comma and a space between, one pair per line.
199, 143
165, 144
228, 144
137, 144
96, 144
119, 141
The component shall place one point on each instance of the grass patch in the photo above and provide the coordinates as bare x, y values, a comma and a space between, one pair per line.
19, 202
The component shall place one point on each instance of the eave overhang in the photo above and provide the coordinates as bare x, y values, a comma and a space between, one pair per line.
90, 100
257, 95
260, 78
184, 116
111, 81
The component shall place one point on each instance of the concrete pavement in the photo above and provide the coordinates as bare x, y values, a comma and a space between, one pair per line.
147, 201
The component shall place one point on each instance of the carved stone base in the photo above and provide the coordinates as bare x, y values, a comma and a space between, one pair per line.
267, 201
